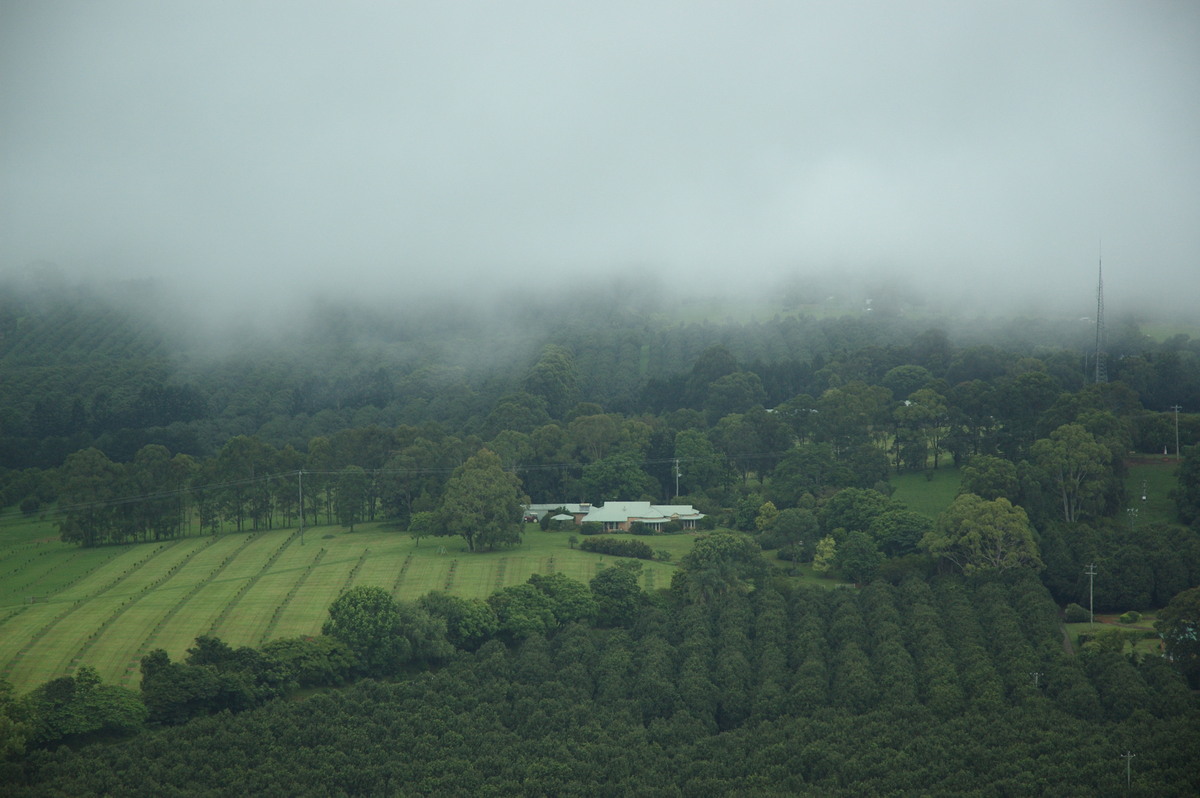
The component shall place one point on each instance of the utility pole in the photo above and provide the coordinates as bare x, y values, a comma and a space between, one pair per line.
676, 476
1091, 573
1128, 757
1132, 512
1036, 676
1176, 408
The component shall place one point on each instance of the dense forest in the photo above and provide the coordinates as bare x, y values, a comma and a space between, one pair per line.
948, 687
123, 431
946, 672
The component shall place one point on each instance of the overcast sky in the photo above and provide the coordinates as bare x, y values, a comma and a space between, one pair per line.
248, 146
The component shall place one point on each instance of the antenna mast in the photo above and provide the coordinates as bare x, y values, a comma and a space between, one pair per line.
1101, 342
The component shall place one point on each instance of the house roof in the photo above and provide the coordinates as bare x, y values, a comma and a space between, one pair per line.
620, 512
570, 508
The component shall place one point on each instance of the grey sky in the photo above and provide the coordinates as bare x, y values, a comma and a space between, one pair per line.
246, 146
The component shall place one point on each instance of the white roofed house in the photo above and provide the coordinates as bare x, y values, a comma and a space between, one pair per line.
620, 516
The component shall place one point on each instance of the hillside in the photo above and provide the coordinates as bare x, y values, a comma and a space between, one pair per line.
62, 607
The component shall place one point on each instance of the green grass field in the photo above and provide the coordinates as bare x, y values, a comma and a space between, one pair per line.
1153, 477
62, 606
1136, 642
924, 495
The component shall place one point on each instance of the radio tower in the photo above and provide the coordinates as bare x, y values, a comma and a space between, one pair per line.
1101, 366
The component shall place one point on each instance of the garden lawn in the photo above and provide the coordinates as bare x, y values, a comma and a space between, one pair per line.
1153, 477
927, 493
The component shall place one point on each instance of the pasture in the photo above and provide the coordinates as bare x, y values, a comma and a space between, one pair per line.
927, 493
1148, 486
62, 606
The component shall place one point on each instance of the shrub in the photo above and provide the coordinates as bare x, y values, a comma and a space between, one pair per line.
591, 528
772, 540
1076, 614
618, 547
791, 553
640, 528
1130, 617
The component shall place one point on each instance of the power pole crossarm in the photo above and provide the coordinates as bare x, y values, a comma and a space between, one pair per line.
1128, 757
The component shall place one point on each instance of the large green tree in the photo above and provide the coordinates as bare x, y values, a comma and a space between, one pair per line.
554, 377
1076, 466
719, 565
701, 466
89, 482
617, 594
991, 477
483, 503
385, 634
74, 707
1179, 625
350, 500
976, 534
1187, 493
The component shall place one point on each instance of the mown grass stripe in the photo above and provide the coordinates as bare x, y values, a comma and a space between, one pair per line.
174, 610
56, 567
400, 576
349, 583
271, 624
43, 631
266, 566
125, 605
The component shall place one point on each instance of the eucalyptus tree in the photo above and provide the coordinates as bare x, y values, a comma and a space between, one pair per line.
483, 503
1076, 466
975, 534
90, 484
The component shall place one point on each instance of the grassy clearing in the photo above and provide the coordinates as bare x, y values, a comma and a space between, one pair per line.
1153, 477
804, 574
107, 607
927, 493
1161, 331
1137, 642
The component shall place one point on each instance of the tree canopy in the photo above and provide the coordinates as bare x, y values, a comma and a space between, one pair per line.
976, 534
483, 503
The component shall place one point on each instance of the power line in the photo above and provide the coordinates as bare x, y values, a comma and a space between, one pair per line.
182, 492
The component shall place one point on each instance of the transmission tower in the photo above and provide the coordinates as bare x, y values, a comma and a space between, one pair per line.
1101, 366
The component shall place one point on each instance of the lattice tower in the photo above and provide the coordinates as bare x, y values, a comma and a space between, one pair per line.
1101, 342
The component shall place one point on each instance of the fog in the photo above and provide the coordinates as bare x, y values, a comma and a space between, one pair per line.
250, 153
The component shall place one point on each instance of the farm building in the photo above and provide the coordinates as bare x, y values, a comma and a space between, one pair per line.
619, 516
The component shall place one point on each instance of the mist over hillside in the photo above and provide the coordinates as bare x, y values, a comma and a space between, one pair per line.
978, 158
123, 363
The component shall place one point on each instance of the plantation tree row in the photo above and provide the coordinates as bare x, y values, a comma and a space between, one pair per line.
942, 687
